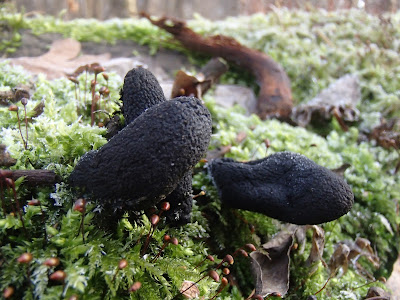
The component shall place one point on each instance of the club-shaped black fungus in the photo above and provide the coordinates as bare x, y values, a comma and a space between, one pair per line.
285, 186
147, 159
140, 91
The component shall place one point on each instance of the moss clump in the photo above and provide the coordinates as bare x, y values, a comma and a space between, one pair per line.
313, 55
370, 177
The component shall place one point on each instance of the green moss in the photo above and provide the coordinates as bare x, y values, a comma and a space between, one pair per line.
315, 47
61, 134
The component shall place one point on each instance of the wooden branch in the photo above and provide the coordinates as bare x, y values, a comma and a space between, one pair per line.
275, 97
36, 177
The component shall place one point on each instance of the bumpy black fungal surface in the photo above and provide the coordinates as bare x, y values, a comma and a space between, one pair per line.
147, 159
140, 91
181, 200
285, 186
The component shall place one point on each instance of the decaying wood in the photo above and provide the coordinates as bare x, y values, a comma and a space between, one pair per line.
275, 97
36, 177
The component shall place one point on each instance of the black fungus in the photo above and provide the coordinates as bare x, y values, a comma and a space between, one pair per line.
140, 91
285, 186
146, 160
181, 200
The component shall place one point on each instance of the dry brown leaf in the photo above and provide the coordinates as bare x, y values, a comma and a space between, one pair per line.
301, 238
375, 291
317, 247
88, 67
185, 85
240, 137
14, 95
5, 159
189, 290
218, 152
340, 171
339, 259
61, 59
339, 100
387, 134
271, 270
189, 85
362, 247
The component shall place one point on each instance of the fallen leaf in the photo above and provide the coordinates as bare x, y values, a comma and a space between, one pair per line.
387, 134
362, 247
61, 59
189, 290
339, 100
14, 95
271, 269
5, 159
340, 170
375, 291
88, 67
339, 259
240, 137
317, 246
190, 85
185, 85
218, 152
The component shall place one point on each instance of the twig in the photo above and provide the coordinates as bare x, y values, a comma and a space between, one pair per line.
36, 177
275, 97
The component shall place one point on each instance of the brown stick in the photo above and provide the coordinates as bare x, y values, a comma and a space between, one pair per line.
36, 177
275, 97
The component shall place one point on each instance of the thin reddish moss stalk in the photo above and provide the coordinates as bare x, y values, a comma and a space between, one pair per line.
323, 286
86, 71
190, 286
5, 176
20, 131
209, 257
224, 283
36, 202
159, 252
80, 206
11, 185
83, 227
93, 100
26, 128
154, 219
3, 201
